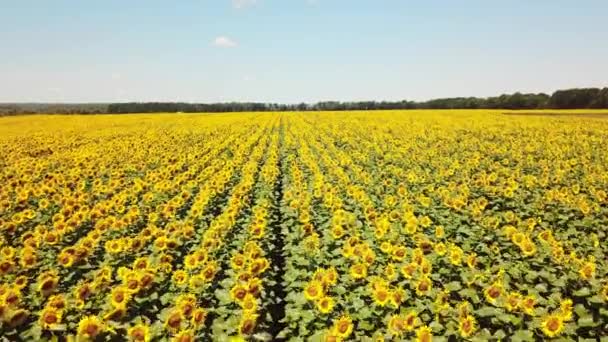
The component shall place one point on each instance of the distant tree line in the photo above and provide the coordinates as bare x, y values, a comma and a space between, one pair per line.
578, 98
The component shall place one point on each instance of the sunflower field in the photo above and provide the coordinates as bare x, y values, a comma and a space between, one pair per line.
314, 226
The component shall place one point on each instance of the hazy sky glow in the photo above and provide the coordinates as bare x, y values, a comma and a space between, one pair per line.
296, 50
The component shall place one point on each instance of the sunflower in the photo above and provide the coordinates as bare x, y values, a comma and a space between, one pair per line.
456, 255
565, 309
254, 286
331, 277
386, 247
552, 325
258, 266
114, 246
337, 231
11, 297
358, 271
426, 267
325, 304
190, 262
396, 325
247, 324
210, 270
381, 295
196, 282
57, 301
198, 317
369, 257
50, 318
237, 261
467, 326
174, 320
408, 270
389, 272
47, 283
424, 334
425, 221
493, 293
186, 303
16, 317
184, 336
513, 301
423, 286
179, 277
399, 253
120, 296
518, 238
139, 333
527, 305
439, 232
472, 260
131, 282
115, 314
313, 290
604, 292
587, 271
343, 326
397, 297
410, 320
90, 327
249, 304
442, 301
528, 247
411, 227
318, 275
440, 248
348, 251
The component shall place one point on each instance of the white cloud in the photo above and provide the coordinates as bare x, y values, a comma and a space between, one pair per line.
240, 4
116, 76
225, 42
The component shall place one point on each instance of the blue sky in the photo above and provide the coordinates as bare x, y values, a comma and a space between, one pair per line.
296, 50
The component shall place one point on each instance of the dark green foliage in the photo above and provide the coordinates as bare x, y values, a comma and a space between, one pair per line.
582, 98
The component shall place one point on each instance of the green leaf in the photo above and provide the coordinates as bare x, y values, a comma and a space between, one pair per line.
500, 334
523, 336
223, 296
365, 325
584, 292
453, 286
487, 311
586, 322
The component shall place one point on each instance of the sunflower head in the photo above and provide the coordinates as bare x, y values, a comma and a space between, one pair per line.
424, 334
527, 304
50, 317
313, 290
90, 327
139, 333
493, 292
247, 324
467, 326
423, 286
396, 325
410, 320
381, 295
343, 326
120, 296
174, 320
513, 301
587, 271
565, 309
325, 304
552, 325
198, 317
